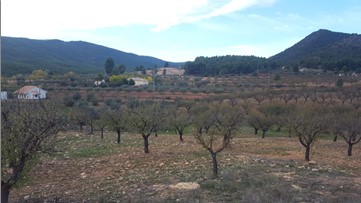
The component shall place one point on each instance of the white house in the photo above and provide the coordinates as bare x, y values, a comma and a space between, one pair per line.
99, 82
4, 95
140, 81
30, 92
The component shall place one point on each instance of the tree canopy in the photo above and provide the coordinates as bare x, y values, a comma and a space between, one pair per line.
220, 65
109, 65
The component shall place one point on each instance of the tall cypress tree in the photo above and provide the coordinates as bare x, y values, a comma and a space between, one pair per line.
109, 65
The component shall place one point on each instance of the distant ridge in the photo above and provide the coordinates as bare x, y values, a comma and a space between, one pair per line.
22, 55
324, 49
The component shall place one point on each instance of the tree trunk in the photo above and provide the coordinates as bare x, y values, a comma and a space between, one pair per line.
263, 133
307, 154
5, 191
256, 131
118, 138
102, 133
335, 138
290, 132
91, 129
146, 143
349, 152
181, 136
215, 165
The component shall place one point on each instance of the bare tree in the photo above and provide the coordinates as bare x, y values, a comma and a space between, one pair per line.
287, 96
306, 95
26, 128
179, 119
348, 126
91, 116
323, 97
102, 122
145, 117
259, 98
79, 116
265, 123
118, 121
308, 122
253, 120
246, 104
337, 112
215, 126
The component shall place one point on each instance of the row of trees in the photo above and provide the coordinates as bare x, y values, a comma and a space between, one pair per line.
209, 120
27, 127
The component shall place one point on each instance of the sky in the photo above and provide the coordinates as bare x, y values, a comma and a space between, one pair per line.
180, 30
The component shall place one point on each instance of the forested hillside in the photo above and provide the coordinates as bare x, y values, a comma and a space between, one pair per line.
20, 55
325, 50
220, 65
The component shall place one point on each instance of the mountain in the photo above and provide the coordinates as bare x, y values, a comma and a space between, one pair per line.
21, 55
324, 49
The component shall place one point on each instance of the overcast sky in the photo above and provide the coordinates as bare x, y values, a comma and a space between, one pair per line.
180, 30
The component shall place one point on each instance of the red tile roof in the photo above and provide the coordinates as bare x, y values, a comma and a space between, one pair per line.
25, 89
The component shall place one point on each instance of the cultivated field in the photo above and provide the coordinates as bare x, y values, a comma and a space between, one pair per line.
86, 168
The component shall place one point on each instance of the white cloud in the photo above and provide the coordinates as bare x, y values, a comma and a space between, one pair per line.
51, 17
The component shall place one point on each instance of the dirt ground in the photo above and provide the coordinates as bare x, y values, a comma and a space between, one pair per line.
89, 169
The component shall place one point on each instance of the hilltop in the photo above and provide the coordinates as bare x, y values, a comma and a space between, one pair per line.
324, 49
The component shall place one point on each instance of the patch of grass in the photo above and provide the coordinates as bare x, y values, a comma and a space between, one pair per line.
248, 185
89, 152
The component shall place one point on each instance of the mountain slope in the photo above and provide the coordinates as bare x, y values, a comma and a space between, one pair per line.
324, 49
21, 55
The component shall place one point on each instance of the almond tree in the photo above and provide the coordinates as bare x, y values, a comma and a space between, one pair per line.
338, 111
79, 116
92, 116
214, 127
253, 120
145, 117
348, 126
26, 128
102, 121
117, 120
309, 121
179, 119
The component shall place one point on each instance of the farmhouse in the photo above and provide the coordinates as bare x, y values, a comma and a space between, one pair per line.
4, 95
171, 71
140, 81
30, 92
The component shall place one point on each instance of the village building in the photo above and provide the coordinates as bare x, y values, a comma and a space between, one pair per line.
4, 95
30, 92
140, 81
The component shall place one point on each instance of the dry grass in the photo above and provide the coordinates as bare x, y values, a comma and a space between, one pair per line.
88, 169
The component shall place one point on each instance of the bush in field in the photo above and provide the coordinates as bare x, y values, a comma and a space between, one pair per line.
118, 80
77, 96
68, 101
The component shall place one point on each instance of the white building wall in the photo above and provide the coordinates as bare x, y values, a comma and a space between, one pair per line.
4, 95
